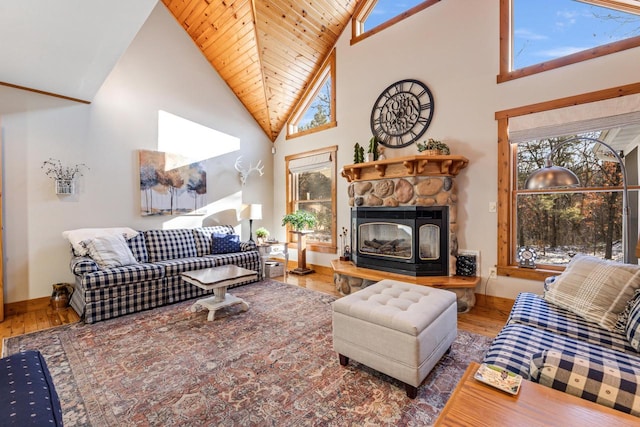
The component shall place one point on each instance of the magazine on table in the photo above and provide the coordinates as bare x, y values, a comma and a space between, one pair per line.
499, 378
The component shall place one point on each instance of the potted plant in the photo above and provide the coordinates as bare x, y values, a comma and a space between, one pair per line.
433, 147
300, 220
262, 234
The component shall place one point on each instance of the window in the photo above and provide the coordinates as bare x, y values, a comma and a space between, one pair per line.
585, 219
373, 16
561, 223
540, 35
317, 111
311, 187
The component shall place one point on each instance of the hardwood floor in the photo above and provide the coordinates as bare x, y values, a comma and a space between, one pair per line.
486, 318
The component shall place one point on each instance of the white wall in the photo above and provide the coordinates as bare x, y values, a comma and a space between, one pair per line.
162, 70
453, 47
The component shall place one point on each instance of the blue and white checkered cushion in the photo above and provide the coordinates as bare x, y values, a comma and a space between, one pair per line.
531, 309
81, 265
122, 275
170, 244
602, 381
633, 326
515, 344
138, 247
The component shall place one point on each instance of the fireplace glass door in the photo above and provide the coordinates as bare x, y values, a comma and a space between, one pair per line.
386, 239
429, 242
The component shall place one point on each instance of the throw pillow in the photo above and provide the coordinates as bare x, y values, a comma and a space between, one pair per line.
595, 289
76, 237
109, 251
623, 318
633, 326
224, 243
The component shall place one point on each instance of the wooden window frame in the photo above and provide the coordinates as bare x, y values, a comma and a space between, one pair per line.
506, 264
506, 27
313, 246
364, 9
327, 70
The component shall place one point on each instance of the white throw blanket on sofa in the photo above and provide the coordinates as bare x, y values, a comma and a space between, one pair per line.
81, 234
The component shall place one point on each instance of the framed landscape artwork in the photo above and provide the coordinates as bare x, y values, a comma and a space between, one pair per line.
171, 184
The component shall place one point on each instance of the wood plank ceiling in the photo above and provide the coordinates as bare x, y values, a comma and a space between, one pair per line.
266, 50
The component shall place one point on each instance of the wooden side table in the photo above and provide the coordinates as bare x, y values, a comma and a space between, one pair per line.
302, 253
476, 404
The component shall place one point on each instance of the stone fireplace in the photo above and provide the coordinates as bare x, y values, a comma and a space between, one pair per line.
410, 240
407, 185
416, 181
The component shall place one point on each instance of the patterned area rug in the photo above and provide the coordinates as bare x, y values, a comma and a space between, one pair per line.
271, 365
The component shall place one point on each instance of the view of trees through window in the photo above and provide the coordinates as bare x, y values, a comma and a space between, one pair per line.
550, 29
585, 219
319, 111
313, 194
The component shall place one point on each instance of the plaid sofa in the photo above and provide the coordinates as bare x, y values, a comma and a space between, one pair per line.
557, 348
155, 280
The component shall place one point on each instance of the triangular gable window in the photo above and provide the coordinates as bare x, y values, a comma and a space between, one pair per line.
372, 16
317, 111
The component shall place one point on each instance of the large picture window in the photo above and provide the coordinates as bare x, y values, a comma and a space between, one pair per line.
311, 187
561, 222
541, 35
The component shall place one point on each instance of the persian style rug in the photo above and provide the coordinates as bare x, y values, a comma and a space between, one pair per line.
271, 365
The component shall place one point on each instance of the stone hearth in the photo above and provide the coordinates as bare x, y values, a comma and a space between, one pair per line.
419, 180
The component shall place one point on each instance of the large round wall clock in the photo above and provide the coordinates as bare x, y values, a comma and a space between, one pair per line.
402, 113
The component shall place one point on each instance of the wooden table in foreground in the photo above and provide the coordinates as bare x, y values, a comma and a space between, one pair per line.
476, 404
219, 279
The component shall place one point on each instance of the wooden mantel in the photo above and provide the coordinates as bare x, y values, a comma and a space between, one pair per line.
400, 167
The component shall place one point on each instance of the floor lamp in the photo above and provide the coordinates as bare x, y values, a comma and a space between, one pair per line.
551, 176
252, 212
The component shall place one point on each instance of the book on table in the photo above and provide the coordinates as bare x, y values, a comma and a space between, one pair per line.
499, 378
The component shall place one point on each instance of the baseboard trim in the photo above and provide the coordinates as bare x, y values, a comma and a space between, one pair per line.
498, 303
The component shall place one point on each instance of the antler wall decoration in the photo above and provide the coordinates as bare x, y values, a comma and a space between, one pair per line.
244, 173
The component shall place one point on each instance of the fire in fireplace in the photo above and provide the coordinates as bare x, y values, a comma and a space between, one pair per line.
411, 240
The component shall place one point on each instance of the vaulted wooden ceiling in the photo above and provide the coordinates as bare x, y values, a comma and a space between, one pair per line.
266, 50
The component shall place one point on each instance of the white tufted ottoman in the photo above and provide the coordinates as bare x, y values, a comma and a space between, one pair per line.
397, 328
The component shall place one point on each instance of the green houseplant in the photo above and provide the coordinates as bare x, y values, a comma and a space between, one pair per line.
433, 147
300, 220
262, 234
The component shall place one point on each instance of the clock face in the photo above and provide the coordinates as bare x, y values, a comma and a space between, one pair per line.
527, 257
402, 113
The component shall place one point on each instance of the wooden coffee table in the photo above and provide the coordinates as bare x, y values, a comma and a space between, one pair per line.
219, 279
476, 404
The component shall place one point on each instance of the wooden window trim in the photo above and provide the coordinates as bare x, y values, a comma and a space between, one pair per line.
328, 69
506, 264
364, 9
506, 74
315, 247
